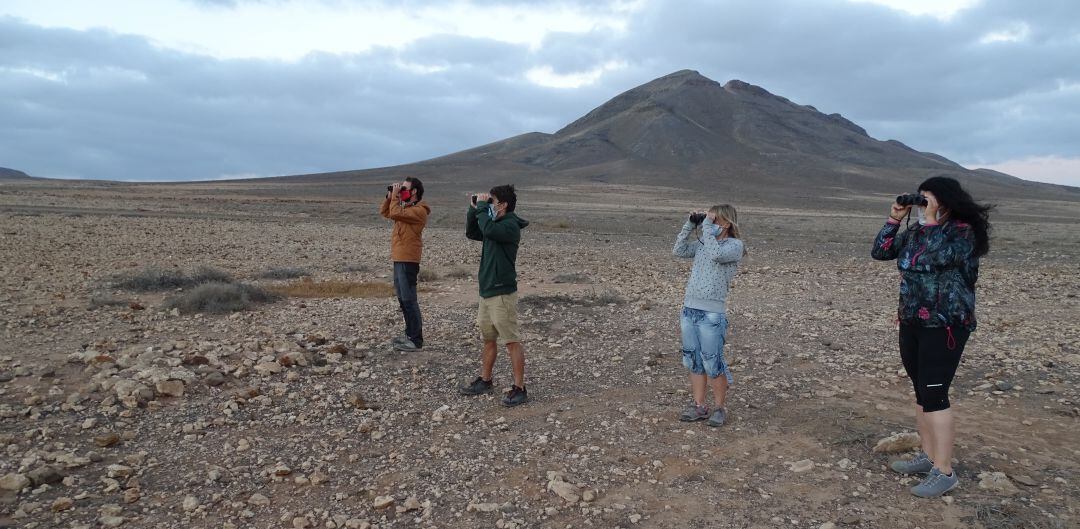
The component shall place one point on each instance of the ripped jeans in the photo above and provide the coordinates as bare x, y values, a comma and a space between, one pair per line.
703, 342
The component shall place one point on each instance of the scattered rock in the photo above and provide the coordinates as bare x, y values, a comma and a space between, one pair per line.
482, 507
258, 500
45, 474
62, 504
997, 482
382, 502
15, 482
901, 442
107, 440
803, 465
564, 490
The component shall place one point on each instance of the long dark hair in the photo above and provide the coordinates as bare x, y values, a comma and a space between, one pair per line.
962, 207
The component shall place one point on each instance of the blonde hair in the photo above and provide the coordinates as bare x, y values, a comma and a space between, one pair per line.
725, 213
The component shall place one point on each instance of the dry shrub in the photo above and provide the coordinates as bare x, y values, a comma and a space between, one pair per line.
356, 268
284, 273
156, 279
573, 277
458, 272
427, 275
218, 298
306, 288
591, 298
106, 300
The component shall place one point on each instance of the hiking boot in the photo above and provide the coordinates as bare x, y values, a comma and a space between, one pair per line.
717, 418
693, 412
398, 339
406, 345
935, 484
921, 464
515, 397
478, 387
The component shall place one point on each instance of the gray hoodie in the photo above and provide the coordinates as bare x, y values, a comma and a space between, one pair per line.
715, 263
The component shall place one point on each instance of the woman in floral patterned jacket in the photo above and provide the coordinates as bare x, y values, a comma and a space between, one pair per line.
939, 263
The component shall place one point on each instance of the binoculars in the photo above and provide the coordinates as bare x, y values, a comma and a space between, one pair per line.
911, 199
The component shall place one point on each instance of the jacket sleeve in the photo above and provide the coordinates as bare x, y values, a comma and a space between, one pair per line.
410, 215
684, 246
384, 209
886, 244
722, 251
497, 231
472, 228
952, 246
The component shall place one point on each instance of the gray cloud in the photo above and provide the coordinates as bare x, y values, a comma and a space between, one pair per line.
103, 105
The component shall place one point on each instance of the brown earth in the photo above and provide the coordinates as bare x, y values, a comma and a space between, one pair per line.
349, 423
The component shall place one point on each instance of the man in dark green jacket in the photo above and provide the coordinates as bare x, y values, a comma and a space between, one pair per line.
491, 220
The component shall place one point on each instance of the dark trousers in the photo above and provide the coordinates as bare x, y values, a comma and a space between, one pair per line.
930, 357
405, 288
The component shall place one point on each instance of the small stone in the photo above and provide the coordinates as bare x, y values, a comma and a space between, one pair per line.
62, 504
1002, 385
382, 502
1024, 479
412, 504
132, 495
107, 440
45, 475
635, 518
111, 521
482, 507
801, 466
901, 442
258, 500
827, 525
214, 379
118, 471
190, 503
564, 490
356, 523
281, 469
300, 522
997, 482
15, 482
268, 368
170, 388
588, 496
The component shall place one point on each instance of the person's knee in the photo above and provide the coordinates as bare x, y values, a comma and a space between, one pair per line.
935, 398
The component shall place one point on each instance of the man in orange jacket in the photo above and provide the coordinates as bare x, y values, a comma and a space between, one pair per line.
405, 206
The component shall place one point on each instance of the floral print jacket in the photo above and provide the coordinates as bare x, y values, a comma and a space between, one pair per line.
937, 272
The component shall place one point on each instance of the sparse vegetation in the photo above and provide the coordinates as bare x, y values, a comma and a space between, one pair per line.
572, 277
106, 300
284, 273
306, 288
219, 297
458, 272
156, 279
356, 268
428, 275
591, 298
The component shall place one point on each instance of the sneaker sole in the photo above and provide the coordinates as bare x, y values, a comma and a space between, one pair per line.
692, 419
715, 424
509, 405
950, 489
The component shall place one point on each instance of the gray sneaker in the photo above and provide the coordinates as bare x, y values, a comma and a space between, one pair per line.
921, 464
935, 484
406, 345
718, 417
693, 412
398, 339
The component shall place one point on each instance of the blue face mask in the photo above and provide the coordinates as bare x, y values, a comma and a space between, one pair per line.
492, 212
710, 228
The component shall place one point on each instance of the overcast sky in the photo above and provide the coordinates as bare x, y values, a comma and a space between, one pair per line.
209, 89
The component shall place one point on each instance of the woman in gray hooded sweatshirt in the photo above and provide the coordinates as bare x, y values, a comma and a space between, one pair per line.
716, 256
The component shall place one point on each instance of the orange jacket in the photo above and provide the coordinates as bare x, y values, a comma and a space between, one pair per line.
406, 243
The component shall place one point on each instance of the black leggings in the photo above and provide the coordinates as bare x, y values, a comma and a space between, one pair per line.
931, 356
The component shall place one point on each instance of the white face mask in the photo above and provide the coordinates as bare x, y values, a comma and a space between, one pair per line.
921, 212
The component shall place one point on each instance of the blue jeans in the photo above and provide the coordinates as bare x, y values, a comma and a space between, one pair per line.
405, 288
703, 343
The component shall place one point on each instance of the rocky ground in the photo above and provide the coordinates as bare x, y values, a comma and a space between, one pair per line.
118, 412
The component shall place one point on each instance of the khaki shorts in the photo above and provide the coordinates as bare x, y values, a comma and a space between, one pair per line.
497, 318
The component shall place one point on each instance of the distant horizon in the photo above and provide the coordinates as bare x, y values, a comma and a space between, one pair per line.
167, 91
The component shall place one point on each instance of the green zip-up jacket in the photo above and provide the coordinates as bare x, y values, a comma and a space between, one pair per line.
498, 258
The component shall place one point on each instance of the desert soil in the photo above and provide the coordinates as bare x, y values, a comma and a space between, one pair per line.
299, 414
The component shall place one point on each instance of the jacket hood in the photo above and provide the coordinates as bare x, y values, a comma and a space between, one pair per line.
511, 216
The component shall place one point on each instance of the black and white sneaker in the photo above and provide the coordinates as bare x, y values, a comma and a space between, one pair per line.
477, 387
